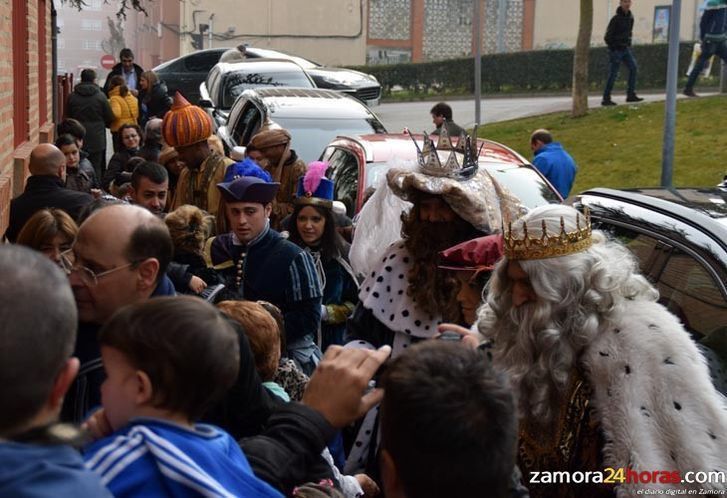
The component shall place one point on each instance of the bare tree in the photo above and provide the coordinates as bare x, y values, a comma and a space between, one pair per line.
115, 42
124, 6
580, 60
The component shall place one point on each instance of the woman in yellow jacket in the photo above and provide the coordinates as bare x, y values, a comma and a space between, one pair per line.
124, 106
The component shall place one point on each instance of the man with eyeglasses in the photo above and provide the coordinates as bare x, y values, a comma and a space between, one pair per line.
45, 189
119, 257
128, 69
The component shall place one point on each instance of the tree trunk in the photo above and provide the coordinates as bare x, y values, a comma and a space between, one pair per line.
580, 60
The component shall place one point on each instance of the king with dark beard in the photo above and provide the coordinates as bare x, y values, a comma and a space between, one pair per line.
406, 297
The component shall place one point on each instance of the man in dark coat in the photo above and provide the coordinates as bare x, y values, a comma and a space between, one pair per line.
128, 69
618, 39
45, 189
713, 39
91, 108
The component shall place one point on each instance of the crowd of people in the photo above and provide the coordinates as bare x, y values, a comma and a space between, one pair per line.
184, 324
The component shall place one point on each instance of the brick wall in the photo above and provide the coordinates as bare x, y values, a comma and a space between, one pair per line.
14, 161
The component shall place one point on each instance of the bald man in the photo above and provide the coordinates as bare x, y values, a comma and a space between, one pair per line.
119, 258
45, 189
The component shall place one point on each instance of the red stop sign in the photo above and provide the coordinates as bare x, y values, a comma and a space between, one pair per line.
108, 61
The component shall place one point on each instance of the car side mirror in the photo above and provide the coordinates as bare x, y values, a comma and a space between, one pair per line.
204, 103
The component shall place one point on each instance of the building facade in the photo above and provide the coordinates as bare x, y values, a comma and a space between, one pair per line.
556, 21
85, 37
427, 30
331, 32
26, 94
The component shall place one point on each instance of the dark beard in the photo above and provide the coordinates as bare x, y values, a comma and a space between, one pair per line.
433, 290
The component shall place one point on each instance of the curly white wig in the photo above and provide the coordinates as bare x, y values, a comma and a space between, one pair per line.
538, 344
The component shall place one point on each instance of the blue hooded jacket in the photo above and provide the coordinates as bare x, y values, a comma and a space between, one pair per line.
557, 166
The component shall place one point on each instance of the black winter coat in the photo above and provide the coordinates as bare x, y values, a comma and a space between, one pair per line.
156, 100
116, 171
44, 191
90, 106
117, 70
620, 28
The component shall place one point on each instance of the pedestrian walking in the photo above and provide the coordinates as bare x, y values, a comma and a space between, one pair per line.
713, 38
618, 38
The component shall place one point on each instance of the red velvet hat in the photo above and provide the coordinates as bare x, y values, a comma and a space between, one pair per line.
476, 255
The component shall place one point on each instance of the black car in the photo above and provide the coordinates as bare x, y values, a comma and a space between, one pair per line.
680, 239
364, 87
187, 72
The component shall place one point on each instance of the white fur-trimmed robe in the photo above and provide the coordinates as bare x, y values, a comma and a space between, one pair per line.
654, 398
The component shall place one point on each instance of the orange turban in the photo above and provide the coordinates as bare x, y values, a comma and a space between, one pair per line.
185, 124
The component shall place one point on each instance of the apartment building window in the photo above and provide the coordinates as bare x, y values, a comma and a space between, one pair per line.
91, 24
21, 103
94, 5
91, 45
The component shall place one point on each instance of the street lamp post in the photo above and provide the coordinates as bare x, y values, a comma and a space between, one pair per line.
672, 73
476, 26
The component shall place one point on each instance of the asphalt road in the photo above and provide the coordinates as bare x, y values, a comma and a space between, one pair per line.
415, 115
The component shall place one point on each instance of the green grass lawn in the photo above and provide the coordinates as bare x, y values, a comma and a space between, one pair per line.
621, 146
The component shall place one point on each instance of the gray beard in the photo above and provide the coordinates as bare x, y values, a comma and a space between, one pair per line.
537, 356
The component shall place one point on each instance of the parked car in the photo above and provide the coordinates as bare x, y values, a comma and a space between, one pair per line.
680, 239
187, 72
312, 116
184, 74
364, 87
355, 162
225, 82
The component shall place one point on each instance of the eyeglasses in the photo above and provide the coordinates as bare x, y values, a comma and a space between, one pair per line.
89, 277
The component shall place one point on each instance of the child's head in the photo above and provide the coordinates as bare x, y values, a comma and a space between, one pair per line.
168, 357
262, 332
69, 146
189, 227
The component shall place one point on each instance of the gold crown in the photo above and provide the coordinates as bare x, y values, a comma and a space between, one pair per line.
548, 246
460, 162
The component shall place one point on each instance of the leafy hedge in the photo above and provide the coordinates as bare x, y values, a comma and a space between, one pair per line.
522, 71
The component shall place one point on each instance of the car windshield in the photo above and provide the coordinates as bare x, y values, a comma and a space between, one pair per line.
238, 82
272, 54
525, 184
311, 135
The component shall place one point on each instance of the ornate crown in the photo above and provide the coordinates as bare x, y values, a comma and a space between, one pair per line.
460, 162
548, 246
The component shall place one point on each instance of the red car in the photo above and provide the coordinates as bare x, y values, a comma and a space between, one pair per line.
355, 162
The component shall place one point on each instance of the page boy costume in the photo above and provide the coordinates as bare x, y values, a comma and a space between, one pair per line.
272, 269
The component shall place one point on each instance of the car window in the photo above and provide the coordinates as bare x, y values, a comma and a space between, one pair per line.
525, 183
343, 171
692, 294
238, 82
245, 126
202, 62
685, 286
311, 135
